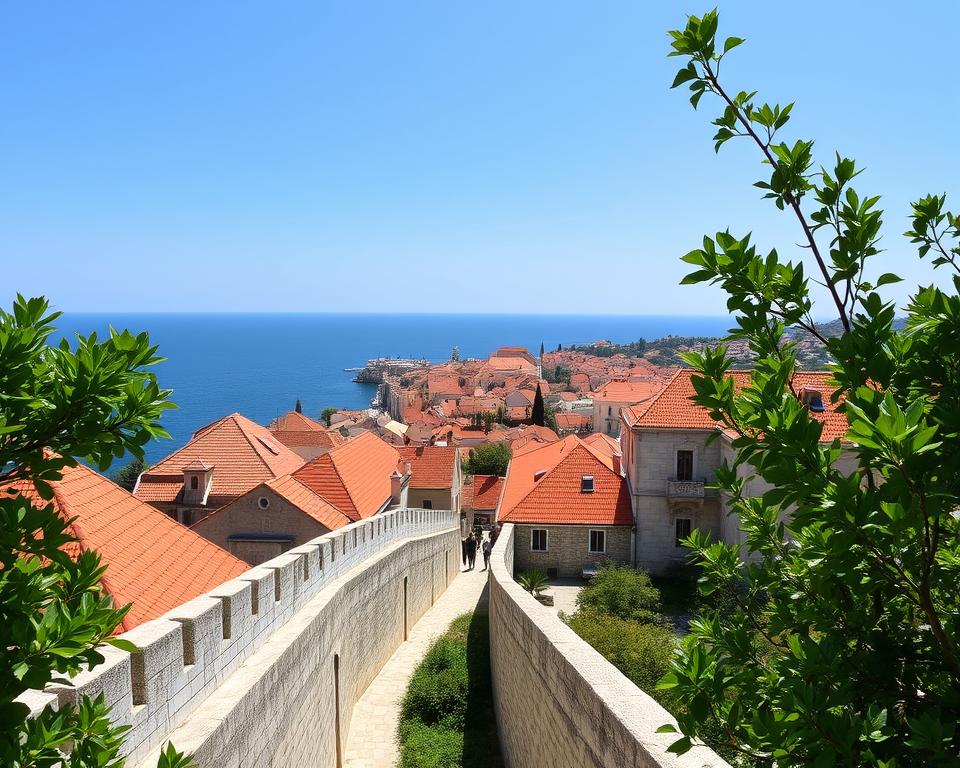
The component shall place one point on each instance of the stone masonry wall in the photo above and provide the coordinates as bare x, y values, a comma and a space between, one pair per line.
568, 548
558, 702
245, 675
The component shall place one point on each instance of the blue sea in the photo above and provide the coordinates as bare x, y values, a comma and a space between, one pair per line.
260, 364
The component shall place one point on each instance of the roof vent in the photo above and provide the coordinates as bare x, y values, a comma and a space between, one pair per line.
813, 399
586, 484
538, 474
269, 445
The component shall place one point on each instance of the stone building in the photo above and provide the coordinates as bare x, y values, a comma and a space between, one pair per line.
481, 494
435, 476
613, 396
570, 506
670, 462
220, 463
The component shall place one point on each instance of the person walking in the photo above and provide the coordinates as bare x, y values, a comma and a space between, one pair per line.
463, 551
487, 546
471, 552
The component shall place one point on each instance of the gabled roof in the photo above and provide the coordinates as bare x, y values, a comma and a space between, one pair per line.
628, 391
295, 422
673, 408
555, 496
354, 477
602, 443
152, 561
431, 466
243, 453
482, 492
307, 500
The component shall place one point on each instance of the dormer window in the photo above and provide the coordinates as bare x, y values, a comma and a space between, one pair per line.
586, 484
813, 399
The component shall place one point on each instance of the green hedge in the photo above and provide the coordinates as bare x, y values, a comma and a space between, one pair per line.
446, 716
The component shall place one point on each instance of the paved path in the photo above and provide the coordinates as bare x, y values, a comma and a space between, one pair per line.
371, 742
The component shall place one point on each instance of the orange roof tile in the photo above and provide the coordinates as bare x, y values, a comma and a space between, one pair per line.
628, 391
306, 499
602, 443
295, 422
482, 492
431, 466
554, 497
573, 420
354, 477
243, 454
153, 562
673, 409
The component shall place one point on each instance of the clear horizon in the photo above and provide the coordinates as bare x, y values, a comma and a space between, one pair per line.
497, 159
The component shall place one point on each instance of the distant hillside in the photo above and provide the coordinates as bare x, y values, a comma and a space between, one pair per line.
667, 351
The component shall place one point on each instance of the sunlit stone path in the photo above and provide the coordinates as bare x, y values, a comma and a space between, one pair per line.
371, 742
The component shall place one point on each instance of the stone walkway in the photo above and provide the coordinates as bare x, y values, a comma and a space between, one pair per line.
371, 742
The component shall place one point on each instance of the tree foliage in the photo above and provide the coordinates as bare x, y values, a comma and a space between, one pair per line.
843, 645
94, 400
490, 459
624, 592
126, 476
326, 415
537, 415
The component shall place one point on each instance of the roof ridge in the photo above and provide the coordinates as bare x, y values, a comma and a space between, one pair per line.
250, 442
536, 485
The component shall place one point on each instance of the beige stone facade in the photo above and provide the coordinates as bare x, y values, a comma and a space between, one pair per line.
568, 548
259, 526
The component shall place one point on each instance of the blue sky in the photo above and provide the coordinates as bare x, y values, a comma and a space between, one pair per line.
432, 156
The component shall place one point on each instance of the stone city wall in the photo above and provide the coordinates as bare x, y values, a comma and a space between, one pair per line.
265, 669
558, 702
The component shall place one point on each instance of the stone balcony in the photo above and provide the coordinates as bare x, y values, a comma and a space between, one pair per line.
685, 491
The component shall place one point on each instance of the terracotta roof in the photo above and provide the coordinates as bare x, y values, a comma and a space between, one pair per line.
311, 503
243, 453
354, 477
295, 422
152, 561
573, 420
628, 391
673, 408
602, 443
431, 466
482, 492
555, 497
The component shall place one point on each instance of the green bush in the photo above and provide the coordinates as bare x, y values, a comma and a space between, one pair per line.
437, 693
446, 716
641, 651
425, 746
624, 592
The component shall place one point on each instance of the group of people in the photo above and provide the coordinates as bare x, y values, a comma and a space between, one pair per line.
475, 541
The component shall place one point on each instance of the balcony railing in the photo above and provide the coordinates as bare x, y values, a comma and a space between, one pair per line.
685, 490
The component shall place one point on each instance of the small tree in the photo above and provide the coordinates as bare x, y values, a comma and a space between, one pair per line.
298, 407
537, 414
844, 645
623, 592
455, 354
490, 459
94, 401
327, 414
126, 476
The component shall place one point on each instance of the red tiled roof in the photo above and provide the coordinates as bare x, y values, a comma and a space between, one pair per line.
153, 562
573, 420
311, 503
482, 492
295, 422
602, 443
673, 408
244, 454
628, 391
431, 466
354, 477
555, 497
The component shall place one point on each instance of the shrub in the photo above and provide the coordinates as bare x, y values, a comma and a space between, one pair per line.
426, 746
437, 693
641, 651
624, 592
533, 581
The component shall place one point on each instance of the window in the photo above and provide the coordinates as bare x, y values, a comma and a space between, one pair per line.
609, 410
684, 465
683, 529
598, 542
586, 484
538, 540
194, 483
263, 502
427, 504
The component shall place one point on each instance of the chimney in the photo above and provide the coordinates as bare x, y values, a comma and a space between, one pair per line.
617, 459
396, 487
408, 469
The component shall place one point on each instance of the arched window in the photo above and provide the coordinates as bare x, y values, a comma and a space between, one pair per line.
194, 483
